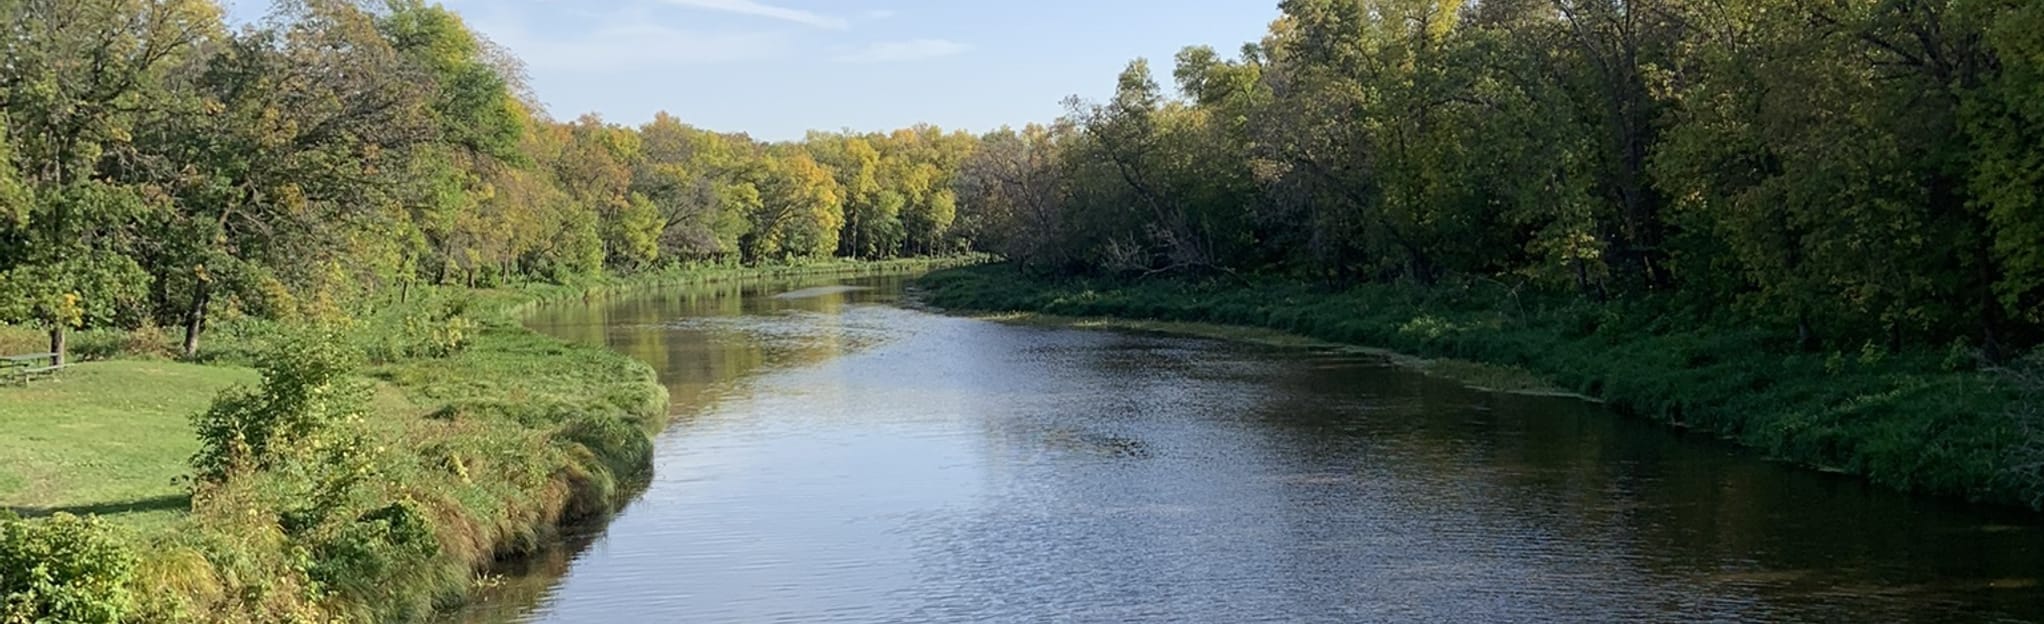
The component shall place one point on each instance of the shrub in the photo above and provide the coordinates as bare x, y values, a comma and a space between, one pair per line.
379, 560
2022, 465
147, 341
306, 389
64, 569
431, 328
23, 339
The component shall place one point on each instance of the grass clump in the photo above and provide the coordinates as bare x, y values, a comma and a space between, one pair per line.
1916, 420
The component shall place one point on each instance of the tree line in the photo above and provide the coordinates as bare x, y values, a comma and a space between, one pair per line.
162, 167
1852, 172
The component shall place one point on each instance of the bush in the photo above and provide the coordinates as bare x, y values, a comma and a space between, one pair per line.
436, 327
147, 341
379, 559
2022, 466
306, 389
239, 339
64, 569
15, 339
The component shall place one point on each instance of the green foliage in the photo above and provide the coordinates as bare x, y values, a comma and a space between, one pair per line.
56, 282
64, 569
370, 560
474, 104
635, 233
167, 170
1860, 173
306, 391
433, 326
2022, 462
804, 211
2005, 117
609, 453
1853, 173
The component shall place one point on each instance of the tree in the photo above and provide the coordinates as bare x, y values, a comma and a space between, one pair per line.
2004, 118
1618, 48
78, 81
1124, 134
596, 169
477, 128
302, 140
1012, 196
873, 226
801, 211
678, 177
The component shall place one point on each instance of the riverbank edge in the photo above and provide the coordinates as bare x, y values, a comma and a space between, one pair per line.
602, 495
514, 437
1913, 422
519, 301
507, 309
1475, 375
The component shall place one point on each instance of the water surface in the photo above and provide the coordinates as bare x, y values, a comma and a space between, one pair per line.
839, 458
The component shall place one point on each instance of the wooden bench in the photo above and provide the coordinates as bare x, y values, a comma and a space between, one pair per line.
26, 368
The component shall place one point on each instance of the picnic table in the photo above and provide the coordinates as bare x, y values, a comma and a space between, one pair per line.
24, 368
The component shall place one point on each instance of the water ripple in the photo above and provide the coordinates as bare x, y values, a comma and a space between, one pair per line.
863, 463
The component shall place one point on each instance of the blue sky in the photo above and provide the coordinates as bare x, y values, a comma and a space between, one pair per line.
776, 68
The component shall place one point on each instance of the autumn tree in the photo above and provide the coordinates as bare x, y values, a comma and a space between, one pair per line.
801, 210
80, 80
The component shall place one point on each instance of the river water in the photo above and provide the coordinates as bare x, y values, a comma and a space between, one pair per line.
836, 457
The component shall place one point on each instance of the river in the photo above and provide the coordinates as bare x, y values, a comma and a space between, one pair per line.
838, 457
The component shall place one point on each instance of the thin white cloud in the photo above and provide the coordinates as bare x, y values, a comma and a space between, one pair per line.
759, 9
904, 51
880, 14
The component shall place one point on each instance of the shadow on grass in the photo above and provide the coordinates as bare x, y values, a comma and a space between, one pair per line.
176, 502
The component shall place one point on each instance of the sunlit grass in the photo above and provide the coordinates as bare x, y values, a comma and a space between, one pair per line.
106, 437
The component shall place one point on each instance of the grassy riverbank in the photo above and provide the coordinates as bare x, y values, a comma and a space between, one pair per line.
106, 439
1920, 421
475, 438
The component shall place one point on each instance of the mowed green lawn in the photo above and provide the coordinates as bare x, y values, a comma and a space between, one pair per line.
108, 438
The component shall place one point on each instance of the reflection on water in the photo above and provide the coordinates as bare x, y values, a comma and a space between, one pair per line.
839, 459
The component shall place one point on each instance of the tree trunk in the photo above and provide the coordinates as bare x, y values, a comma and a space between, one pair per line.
57, 345
195, 322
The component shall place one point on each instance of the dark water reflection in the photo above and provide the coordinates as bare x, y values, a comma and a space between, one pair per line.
839, 459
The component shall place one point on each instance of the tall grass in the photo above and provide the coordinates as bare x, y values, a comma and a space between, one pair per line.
501, 436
